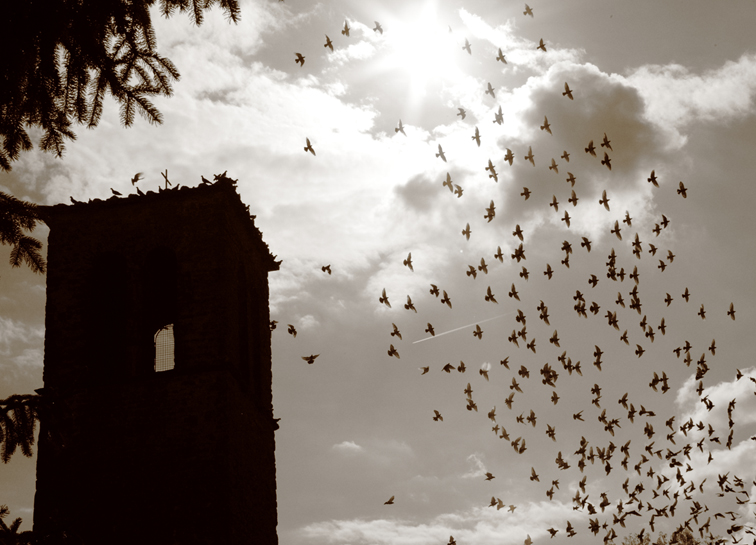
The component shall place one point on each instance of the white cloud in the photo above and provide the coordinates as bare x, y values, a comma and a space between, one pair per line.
348, 447
674, 96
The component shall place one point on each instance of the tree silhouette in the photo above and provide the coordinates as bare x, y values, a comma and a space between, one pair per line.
18, 420
59, 61
17, 216
681, 536
9, 534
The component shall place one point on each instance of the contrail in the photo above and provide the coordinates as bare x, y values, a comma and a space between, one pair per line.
463, 327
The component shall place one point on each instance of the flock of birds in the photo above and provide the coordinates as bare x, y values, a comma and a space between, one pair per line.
655, 494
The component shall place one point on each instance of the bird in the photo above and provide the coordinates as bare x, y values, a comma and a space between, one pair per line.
462, 112
437, 416
542, 46
509, 157
517, 232
384, 299
513, 293
329, 43
490, 296
378, 27
548, 272
606, 161
489, 476
300, 59
396, 332
591, 149
499, 255
566, 219
567, 91
116, 193
683, 191
139, 192
490, 168
400, 128
408, 262
483, 265
546, 127
478, 332
326, 269
616, 230
466, 231
424, 370
138, 176
525, 193
731, 312
702, 312
499, 118
476, 137
586, 244
449, 183
441, 153
604, 200
409, 305
434, 290
500, 57
573, 198
652, 179
490, 90
686, 295
390, 501
530, 156
292, 330
466, 47
528, 10
311, 358
393, 352
446, 300
430, 330
554, 203
345, 31
309, 147
554, 166
606, 143
571, 179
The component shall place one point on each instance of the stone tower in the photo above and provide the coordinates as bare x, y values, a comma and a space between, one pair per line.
158, 372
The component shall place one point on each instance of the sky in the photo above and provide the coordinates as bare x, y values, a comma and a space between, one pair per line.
671, 85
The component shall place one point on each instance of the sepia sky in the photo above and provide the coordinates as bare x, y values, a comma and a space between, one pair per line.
672, 86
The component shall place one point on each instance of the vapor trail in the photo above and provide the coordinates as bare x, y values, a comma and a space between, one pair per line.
463, 327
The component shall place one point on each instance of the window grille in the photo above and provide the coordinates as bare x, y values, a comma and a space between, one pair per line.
164, 344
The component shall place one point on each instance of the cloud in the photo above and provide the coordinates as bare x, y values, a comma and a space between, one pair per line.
12, 331
676, 97
348, 447
479, 525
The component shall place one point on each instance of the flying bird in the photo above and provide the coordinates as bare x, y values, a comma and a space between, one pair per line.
554, 166
309, 147
441, 153
466, 231
400, 128
466, 47
326, 269
311, 358
525, 193
604, 200
393, 352
476, 137
292, 331
329, 43
509, 157
408, 262
462, 112
449, 183
546, 127
567, 91
606, 143
528, 10
652, 179
300, 59
499, 118
390, 501
490, 90
501, 57
396, 332
409, 305
683, 191
378, 27
138, 176
530, 156
591, 148
606, 161
345, 31
571, 179
542, 46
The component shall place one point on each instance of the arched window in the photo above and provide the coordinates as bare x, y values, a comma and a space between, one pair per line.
159, 310
164, 358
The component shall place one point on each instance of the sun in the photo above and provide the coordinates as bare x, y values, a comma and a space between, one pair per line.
422, 48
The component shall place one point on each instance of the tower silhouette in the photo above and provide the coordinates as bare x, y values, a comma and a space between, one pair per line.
157, 372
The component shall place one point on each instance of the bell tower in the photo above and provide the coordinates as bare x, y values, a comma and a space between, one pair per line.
157, 372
